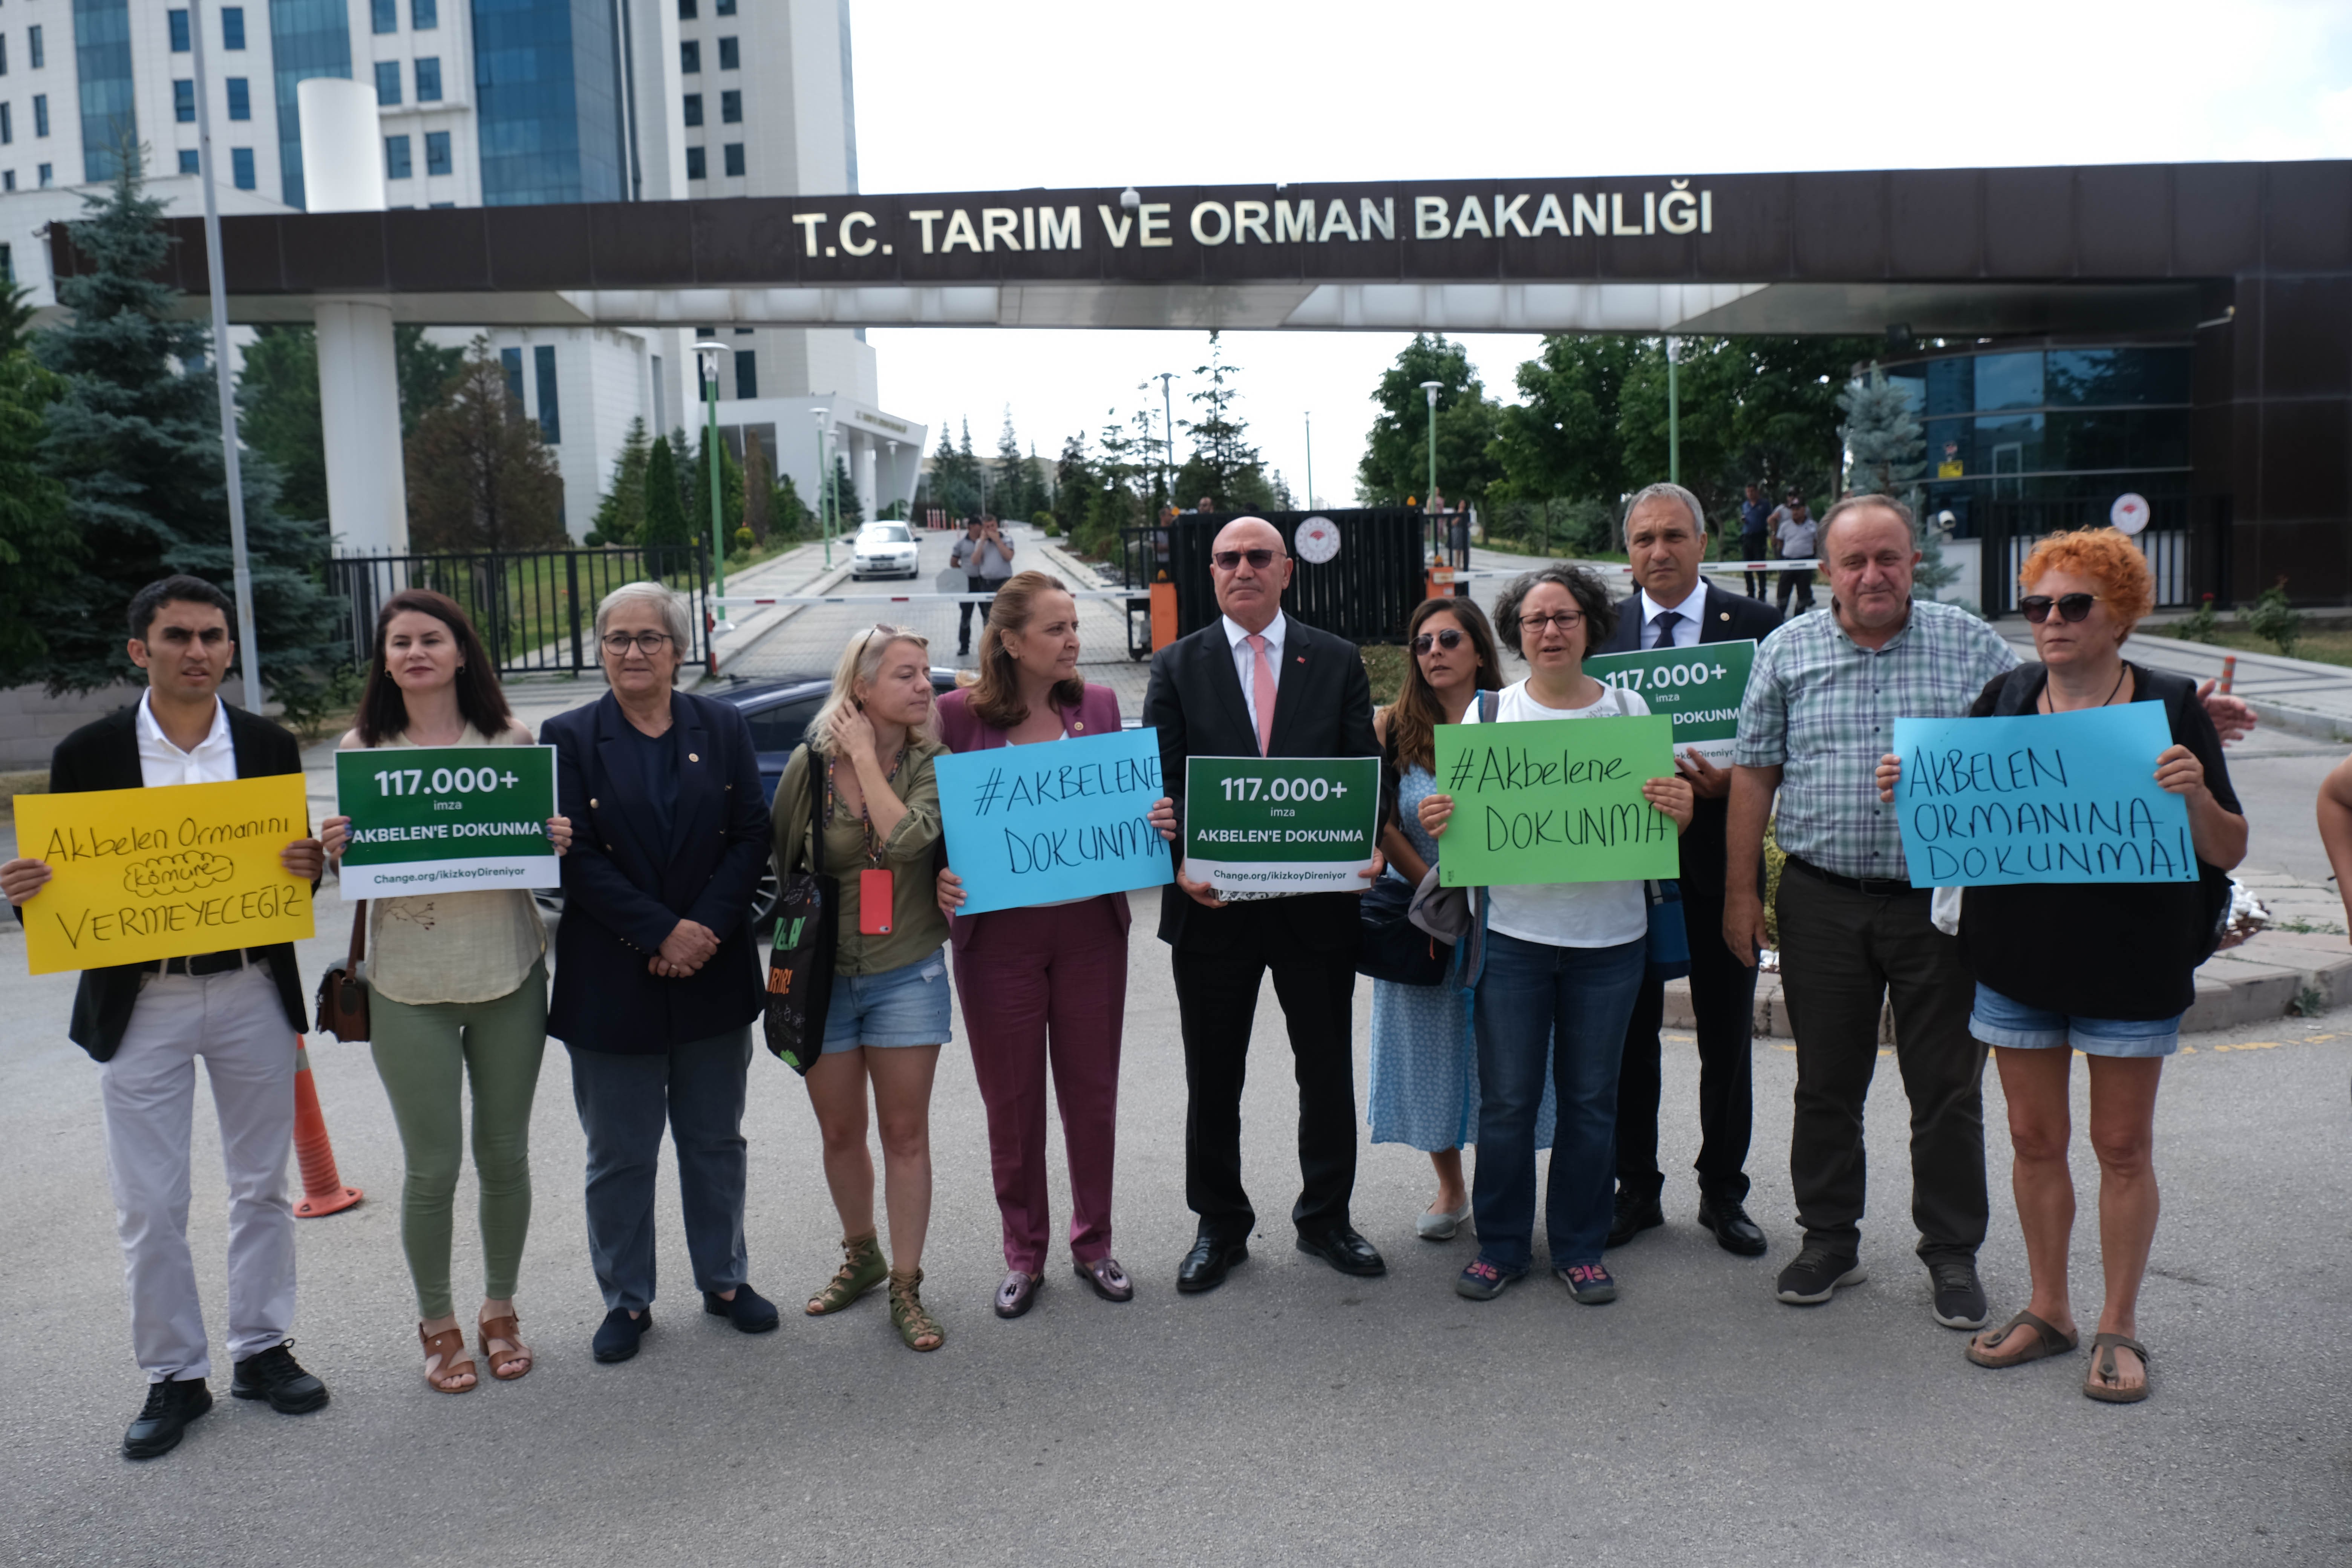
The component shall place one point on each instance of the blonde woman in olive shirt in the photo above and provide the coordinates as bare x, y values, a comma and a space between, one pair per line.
872, 746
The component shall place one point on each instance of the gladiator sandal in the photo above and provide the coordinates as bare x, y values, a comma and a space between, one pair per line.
916, 1327
862, 1269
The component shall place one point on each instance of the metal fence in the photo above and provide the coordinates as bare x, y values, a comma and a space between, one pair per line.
534, 609
1363, 592
2185, 561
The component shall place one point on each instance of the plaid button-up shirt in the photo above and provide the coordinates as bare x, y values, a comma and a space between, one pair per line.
1822, 708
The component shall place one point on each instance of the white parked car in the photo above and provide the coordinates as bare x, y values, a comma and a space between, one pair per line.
883, 550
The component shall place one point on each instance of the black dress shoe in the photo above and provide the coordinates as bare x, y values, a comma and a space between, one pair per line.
617, 1336
1205, 1267
749, 1312
171, 1406
1632, 1216
1734, 1231
1343, 1250
275, 1375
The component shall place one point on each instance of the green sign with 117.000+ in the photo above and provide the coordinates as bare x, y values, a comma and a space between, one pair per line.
1281, 824
446, 819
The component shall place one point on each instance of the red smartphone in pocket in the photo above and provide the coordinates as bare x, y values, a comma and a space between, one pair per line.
873, 903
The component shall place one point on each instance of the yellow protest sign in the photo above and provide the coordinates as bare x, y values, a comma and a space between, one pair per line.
142, 874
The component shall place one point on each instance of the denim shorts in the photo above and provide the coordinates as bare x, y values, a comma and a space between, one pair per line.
1997, 1020
903, 1007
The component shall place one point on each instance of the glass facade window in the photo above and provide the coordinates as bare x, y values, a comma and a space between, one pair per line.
747, 373
697, 167
8, 180
387, 83
240, 98
40, 114
109, 116
693, 104
548, 102
733, 153
396, 158
550, 420
384, 16
690, 57
188, 164
423, 15
437, 153
179, 23
40, 54
7, 124
4, 54
687, 10
184, 102
511, 360
48, 176
725, 7
428, 79
240, 168
232, 26
307, 39
731, 55
730, 107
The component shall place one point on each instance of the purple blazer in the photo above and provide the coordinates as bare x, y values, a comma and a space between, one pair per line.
1096, 714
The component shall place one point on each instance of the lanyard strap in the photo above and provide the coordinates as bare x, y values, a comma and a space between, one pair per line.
865, 816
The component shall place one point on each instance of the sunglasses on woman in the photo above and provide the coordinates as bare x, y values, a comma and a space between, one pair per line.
1448, 639
2072, 608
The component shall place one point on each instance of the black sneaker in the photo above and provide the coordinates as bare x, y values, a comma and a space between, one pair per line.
1960, 1296
274, 1374
1817, 1275
163, 1419
617, 1336
1632, 1217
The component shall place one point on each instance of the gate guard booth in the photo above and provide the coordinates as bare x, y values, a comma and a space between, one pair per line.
1361, 571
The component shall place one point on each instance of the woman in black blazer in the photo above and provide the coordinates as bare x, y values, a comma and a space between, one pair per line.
656, 981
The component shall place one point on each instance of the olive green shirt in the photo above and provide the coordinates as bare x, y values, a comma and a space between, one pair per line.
910, 852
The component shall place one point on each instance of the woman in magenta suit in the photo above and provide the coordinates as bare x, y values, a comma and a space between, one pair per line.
1048, 982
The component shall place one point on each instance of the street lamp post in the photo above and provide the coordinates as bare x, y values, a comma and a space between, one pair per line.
1673, 419
1167, 436
1429, 389
823, 487
707, 352
1310, 462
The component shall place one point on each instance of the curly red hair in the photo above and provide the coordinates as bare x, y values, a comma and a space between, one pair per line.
2107, 557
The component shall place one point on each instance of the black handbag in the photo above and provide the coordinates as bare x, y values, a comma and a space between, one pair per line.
1669, 952
342, 989
1394, 948
808, 936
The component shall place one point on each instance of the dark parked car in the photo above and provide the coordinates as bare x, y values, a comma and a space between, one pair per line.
778, 713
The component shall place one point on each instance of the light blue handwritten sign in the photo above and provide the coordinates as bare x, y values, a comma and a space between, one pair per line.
2041, 797
1064, 819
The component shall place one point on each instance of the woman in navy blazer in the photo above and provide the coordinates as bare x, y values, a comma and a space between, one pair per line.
656, 981
1057, 968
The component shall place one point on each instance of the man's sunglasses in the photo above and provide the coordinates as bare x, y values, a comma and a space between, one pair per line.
1227, 559
1448, 639
2072, 608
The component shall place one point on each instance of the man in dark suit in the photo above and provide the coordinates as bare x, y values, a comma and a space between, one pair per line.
1665, 542
1257, 683
146, 1025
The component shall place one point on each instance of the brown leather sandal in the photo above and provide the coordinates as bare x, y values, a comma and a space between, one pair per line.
2043, 1341
495, 1331
446, 1361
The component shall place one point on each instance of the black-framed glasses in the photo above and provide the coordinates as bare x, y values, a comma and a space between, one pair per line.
1448, 639
618, 644
2072, 608
1565, 620
1227, 559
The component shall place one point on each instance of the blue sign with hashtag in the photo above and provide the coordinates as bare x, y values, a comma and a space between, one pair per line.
1066, 819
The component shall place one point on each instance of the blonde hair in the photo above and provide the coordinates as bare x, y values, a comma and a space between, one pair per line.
860, 664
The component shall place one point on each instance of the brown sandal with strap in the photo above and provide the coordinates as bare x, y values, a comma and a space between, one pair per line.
448, 1348
494, 1332
2104, 1384
2043, 1341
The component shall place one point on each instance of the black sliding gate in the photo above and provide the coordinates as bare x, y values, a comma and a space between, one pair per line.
1363, 592
535, 609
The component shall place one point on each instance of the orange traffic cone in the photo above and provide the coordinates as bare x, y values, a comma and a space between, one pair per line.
323, 1192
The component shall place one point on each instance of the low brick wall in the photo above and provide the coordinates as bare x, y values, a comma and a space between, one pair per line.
32, 722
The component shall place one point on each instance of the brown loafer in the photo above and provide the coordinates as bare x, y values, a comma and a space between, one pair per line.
1109, 1280
1017, 1294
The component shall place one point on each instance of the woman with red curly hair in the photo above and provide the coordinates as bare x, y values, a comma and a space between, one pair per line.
2106, 968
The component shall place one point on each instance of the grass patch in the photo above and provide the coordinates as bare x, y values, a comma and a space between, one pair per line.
2327, 646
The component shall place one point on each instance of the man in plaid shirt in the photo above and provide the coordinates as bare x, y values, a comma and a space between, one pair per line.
1854, 934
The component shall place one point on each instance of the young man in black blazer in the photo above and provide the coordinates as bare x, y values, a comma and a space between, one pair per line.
146, 1023
1666, 543
1305, 695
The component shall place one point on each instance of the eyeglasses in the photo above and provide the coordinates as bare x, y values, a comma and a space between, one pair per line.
1226, 560
618, 644
1565, 620
1449, 639
2071, 607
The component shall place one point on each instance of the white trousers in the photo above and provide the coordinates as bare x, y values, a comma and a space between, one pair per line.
236, 1024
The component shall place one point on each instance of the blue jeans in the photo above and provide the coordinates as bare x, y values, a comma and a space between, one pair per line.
1577, 1000
623, 1100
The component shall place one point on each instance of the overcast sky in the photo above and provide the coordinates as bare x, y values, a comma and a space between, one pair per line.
1058, 93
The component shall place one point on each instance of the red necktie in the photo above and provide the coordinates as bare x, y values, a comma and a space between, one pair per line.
1262, 693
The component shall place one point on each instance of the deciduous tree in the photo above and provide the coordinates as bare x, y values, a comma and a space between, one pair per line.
479, 476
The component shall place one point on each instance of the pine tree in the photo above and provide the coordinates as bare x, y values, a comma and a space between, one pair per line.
793, 519
278, 414
665, 514
135, 439
1885, 447
621, 515
38, 553
480, 477
849, 512
698, 492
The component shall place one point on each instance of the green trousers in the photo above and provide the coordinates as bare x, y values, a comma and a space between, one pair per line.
425, 1053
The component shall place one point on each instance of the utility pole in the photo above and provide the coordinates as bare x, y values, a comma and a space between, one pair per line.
1674, 418
708, 352
248, 645
1310, 462
1168, 437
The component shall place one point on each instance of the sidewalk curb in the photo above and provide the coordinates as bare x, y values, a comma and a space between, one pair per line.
2257, 979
